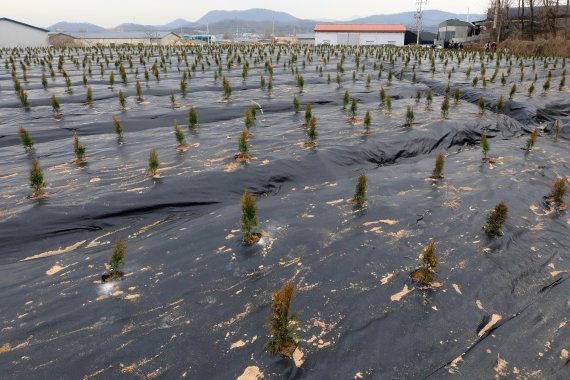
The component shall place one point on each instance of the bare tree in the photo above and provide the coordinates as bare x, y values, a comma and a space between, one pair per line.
549, 15
531, 10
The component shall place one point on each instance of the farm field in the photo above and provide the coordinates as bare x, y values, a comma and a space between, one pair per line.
193, 299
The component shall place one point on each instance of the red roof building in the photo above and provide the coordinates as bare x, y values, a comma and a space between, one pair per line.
361, 28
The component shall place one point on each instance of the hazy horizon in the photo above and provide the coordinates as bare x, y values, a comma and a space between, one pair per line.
150, 12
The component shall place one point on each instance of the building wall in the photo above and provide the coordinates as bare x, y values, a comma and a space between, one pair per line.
333, 38
13, 35
455, 33
169, 40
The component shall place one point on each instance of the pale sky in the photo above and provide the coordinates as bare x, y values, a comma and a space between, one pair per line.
109, 14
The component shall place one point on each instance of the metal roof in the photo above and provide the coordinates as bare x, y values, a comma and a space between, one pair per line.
361, 28
455, 22
24, 24
117, 35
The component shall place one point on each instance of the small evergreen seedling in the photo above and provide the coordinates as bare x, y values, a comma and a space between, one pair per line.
192, 118
55, 105
345, 100
138, 89
295, 104
484, 146
513, 91
249, 220
122, 99
531, 90
496, 220
89, 96
481, 104
78, 149
437, 172
179, 134
117, 259
118, 127
172, 98
531, 140
283, 340
308, 114
248, 119
353, 108
425, 274
559, 191
367, 121
153, 163
360, 191
312, 132
501, 105
26, 140
429, 98
227, 88
409, 116
37, 183
242, 146
456, 96
445, 107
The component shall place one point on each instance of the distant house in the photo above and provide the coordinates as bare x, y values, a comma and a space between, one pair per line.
457, 31
305, 38
360, 34
14, 34
116, 38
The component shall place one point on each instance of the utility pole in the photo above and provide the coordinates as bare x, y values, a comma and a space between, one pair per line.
419, 17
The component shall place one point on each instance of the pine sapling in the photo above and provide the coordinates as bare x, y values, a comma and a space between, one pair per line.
484, 146
192, 118
556, 129
249, 220
513, 91
308, 114
345, 100
89, 96
55, 106
283, 339
312, 132
531, 141
117, 260
153, 163
456, 96
122, 99
559, 191
367, 121
78, 149
360, 191
409, 116
445, 107
295, 104
353, 109
437, 172
118, 127
26, 140
501, 105
248, 119
36, 177
496, 220
425, 274
179, 135
481, 104
242, 146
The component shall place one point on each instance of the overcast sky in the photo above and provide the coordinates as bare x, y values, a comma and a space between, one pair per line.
154, 12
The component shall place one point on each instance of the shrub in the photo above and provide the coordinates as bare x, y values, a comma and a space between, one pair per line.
249, 220
112, 79
345, 99
546, 85
367, 121
248, 118
44, 81
242, 145
153, 162
437, 172
36, 177
360, 191
262, 83
456, 96
429, 98
172, 98
353, 108
496, 219
295, 104
300, 82
227, 88
513, 91
418, 95
89, 96
138, 89
117, 258
179, 134
283, 339
78, 148
429, 259
382, 96
484, 145
559, 191
23, 96
389, 104
531, 140
26, 139
308, 114
122, 99
192, 118
312, 132
425, 274
445, 107
117, 126
409, 116
481, 104
501, 105
55, 105
530, 90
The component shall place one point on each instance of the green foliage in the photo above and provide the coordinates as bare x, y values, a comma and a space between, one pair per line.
192, 118
26, 139
23, 96
308, 113
172, 98
227, 88
425, 274
295, 104
312, 132
117, 258
248, 118
437, 172
559, 190
531, 141
456, 96
112, 79
367, 121
360, 191
382, 96
179, 134
249, 220
429, 259
345, 99
89, 96
496, 219
300, 82
353, 108
530, 90
36, 177
501, 105
44, 81
429, 97
138, 89
242, 145
484, 145
122, 99
153, 162
445, 107
78, 148
55, 105
283, 339
513, 91
118, 127
481, 104
409, 116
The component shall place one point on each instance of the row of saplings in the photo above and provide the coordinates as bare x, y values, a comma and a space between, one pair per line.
283, 340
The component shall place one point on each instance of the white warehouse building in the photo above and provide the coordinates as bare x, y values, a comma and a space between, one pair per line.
360, 34
17, 34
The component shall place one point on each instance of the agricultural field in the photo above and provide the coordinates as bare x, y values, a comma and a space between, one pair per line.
248, 212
